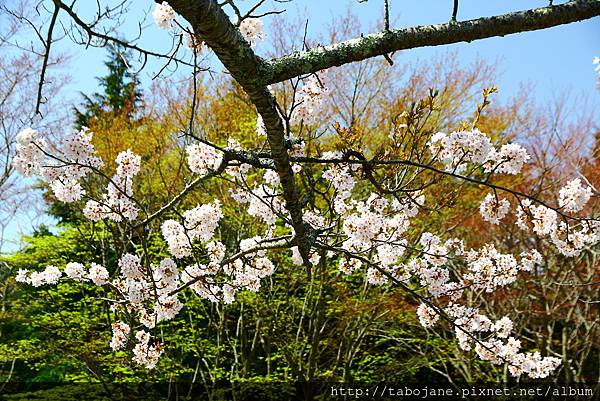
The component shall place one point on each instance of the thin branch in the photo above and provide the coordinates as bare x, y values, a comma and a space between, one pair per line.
107, 38
47, 45
454, 11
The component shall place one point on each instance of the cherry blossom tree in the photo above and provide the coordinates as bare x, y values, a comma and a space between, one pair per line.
356, 206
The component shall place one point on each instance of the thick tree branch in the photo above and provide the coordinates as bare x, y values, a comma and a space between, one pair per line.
378, 44
211, 23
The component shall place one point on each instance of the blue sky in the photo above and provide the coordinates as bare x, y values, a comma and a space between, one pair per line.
554, 60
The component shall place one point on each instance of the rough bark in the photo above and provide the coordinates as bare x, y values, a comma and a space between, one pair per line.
378, 44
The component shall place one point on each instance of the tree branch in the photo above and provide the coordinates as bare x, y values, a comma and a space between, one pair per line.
105, 38
47, 45
211, 23
378, 44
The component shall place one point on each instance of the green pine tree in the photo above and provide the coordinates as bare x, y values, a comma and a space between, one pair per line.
121, 92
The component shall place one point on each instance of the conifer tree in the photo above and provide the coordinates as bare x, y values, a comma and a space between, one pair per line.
121, 90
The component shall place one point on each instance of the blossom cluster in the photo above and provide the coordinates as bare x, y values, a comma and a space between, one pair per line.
97, 274
544, 221
120, 333
498, 346
193, 41
261, 129
132, 283
203, 158
310, 99
74, 159
118, 200
147, 291
428, 316
460, 148
50, 275
145, 354
297, 149
252, 30
574, 196
158, 285
29, 152
163, 15
570, 239
488, 268
220, 280
262, 200
62, 171
199, 224
342, 180
493, 209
